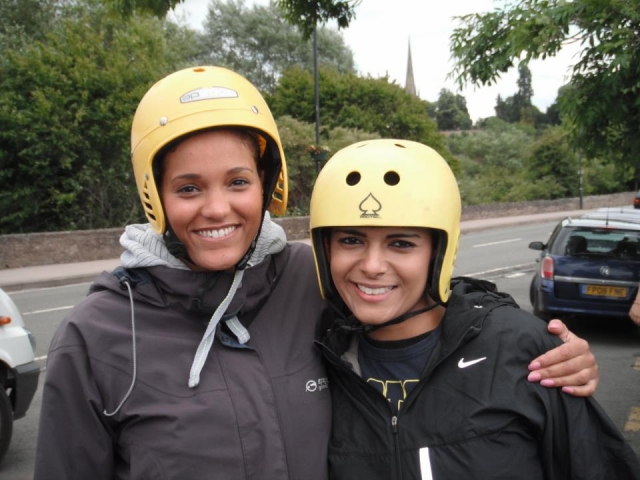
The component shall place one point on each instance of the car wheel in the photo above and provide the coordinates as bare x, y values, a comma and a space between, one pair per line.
6, 422
532, 293
532, 298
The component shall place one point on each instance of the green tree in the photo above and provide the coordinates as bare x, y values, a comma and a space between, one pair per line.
518, 108
506, 109
602, 105
552, 115
126, 8
259, 44
66, 104
552, 160
29, 17
492, 162
309, 14
602, 177
525, 87
303, 13
451, 111
368, 104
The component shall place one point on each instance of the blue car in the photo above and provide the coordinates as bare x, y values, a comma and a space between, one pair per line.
587, 267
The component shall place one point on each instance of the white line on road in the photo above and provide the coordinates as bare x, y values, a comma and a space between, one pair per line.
35, 312
515, 275
511, 240
522, 266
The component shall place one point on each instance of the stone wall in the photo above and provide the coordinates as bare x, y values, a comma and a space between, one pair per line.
31, 249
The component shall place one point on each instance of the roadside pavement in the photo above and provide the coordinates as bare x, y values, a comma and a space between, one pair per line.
15, 279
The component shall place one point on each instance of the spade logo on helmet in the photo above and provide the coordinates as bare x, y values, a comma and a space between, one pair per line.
208, 93
370, 207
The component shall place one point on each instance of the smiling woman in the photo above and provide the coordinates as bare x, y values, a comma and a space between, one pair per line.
427, 372
204, 335
211, 190
381, 273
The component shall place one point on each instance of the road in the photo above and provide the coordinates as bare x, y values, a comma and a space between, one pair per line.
500, 255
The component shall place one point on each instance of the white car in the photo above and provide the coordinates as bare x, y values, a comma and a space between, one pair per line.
18, 371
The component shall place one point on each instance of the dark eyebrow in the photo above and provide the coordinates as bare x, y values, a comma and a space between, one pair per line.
194, 176
403, 235
240, 169
359, 233
185, 176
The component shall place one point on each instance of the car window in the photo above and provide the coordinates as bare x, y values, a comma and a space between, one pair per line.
599, 242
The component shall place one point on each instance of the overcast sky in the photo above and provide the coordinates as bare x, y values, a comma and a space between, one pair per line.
380, 35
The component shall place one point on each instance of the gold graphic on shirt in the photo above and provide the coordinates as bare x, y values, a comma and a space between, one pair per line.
389, 387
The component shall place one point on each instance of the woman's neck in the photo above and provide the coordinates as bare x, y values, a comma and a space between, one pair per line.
412, 327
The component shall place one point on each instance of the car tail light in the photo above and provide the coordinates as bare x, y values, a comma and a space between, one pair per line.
546, 269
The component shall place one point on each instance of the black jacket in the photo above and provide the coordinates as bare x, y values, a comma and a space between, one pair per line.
472, 420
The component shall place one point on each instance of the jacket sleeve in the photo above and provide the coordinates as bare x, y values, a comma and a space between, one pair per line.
580, 441
74, 437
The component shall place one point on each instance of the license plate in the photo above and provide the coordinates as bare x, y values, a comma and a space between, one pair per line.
605, 291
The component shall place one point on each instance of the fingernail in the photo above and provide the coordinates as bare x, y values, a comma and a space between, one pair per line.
534, 377
567, 390
547, 383
534, 366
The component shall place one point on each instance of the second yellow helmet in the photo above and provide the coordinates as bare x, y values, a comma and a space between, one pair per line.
388, 183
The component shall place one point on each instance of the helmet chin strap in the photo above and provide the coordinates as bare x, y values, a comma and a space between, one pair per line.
362, 328
174, 245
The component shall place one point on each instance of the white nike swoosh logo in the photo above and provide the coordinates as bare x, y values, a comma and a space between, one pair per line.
463, 364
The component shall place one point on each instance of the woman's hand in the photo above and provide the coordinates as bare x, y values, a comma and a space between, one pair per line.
634, 311
571, 365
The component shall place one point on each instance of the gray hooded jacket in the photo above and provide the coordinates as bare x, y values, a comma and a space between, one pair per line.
120, 400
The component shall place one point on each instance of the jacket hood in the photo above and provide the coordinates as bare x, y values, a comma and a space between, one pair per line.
150, 274
161, 279
145, 248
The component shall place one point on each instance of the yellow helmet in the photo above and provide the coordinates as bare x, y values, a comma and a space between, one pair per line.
388, 183
196, 99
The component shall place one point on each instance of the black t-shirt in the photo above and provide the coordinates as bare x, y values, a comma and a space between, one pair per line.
395, 367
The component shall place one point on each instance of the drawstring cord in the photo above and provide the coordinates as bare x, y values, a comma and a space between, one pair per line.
133, 341
241, 333
205, 345
209, 334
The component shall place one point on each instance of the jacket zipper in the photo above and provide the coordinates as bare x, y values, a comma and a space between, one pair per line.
396, 442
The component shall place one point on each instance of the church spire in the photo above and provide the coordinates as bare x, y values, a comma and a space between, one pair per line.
410, 84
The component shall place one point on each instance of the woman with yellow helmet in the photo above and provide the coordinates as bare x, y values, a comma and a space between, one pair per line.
195, 358
428, 375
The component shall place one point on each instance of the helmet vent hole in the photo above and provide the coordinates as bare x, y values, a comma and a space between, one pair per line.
353, 178
391, 178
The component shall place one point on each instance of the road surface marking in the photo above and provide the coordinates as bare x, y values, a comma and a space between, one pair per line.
511, 240
633, 422
35, 312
